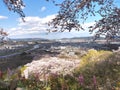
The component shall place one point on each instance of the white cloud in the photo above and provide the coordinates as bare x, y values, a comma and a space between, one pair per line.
86, 25
22, 7
36, 27
32, 25
3, 17
37, 21
43, 9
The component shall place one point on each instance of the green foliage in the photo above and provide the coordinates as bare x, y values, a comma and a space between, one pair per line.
98, 69
104, 65
94, 56
22, 69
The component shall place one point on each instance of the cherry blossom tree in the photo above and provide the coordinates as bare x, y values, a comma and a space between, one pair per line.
15, 6
73, 12
108, 26
3, 34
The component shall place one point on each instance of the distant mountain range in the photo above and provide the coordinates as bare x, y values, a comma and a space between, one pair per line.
31, 39
86, 38
43, 39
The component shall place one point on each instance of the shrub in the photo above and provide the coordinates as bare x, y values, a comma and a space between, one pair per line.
104, 65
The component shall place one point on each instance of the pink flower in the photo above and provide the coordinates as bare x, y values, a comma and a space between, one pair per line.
94, 80
81, 79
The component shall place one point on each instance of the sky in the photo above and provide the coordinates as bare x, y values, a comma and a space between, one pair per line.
37, 14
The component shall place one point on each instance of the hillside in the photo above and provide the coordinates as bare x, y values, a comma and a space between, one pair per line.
63, 65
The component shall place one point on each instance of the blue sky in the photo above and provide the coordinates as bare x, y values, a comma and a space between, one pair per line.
37, 14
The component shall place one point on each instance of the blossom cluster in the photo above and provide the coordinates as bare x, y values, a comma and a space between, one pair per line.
52, 65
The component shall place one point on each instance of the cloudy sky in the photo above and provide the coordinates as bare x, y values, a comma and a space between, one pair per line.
38, 13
